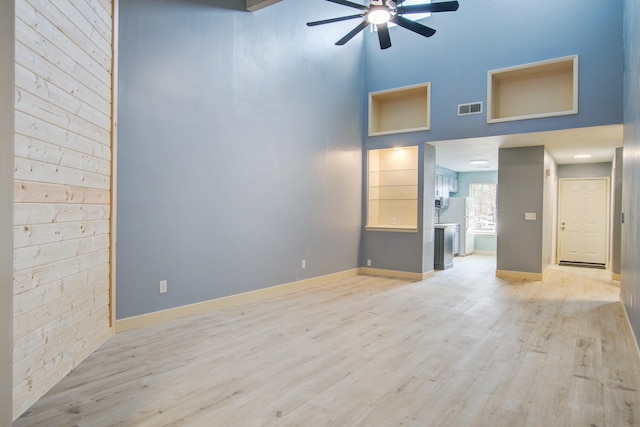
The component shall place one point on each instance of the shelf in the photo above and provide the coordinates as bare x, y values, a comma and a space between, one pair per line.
392, 189
393, 192
392, 228
536, 90
400, 110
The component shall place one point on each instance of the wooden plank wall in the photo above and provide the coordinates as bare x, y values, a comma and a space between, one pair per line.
62, 187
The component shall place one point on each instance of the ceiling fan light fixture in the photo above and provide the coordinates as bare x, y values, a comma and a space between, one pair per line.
378, 15
382, 13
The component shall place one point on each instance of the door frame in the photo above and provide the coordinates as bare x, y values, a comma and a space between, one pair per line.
607, 237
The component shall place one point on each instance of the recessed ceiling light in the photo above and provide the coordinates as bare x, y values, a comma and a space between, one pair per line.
582, 156
478, 162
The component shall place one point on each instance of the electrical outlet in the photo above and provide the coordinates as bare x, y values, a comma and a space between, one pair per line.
530, 216
163, 286
368, 263
304, 263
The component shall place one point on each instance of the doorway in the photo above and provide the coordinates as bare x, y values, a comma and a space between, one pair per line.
583, 221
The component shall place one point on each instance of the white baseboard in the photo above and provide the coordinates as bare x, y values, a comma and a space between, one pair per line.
395, 273
633, 336
485, 253
148, 319
507, 274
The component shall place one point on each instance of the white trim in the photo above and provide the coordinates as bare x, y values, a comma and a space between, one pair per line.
484, 253
630, 328
507, 274
253, 5
490, 74
156, 317
372, 119
392, 229
368, 271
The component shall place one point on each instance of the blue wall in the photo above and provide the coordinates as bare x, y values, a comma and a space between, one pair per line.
241, 135
483, 242
488, 34
466, 178
239, 149
630, 268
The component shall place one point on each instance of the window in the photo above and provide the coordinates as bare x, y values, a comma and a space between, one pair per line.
484, 220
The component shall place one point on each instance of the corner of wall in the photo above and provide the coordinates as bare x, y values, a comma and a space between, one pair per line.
7, 80
521, 190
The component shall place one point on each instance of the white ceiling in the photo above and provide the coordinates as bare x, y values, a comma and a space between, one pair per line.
599, 141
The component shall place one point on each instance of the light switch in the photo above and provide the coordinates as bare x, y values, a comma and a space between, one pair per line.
530, 216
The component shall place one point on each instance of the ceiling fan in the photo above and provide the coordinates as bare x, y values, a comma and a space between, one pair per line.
381, 12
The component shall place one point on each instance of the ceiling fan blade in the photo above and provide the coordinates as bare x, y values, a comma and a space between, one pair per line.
413, 26
383, 36
350, 4
329, 21
445, 6
364, 24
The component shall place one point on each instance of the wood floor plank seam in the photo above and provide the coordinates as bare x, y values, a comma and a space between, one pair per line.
463, 348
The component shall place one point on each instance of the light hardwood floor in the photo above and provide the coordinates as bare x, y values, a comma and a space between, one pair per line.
461, 349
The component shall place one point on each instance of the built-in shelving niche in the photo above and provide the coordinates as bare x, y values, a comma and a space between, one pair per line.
530, 91
392, 189
405, 109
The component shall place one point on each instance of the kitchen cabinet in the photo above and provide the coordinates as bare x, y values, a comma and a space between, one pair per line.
445, 184
453, 185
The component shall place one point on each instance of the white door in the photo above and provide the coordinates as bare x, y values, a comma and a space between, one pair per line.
584, 220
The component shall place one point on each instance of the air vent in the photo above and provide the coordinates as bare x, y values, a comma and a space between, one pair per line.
473, 108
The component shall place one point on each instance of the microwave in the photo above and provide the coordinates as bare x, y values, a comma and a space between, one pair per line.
442, 202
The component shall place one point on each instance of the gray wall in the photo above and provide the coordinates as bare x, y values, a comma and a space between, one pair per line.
239, 149
585, 170
630, 267
549, 211
7, 64
616, 225
428, 219
520, 190
410, 252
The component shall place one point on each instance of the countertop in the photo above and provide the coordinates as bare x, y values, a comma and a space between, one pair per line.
446, 225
